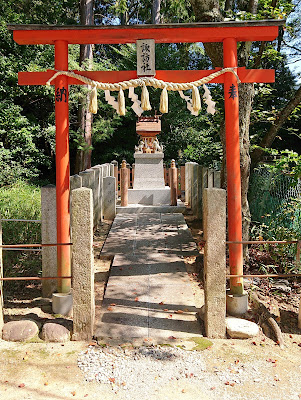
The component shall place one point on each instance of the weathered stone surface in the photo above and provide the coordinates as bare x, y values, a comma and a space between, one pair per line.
48, 225
214, 209
238, 328
149, 171
82, 264
20, 331
109, 198
75, 182
56, 331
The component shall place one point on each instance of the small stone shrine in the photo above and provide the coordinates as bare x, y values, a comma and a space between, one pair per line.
149, 186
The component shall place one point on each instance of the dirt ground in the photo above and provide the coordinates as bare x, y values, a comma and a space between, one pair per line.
43, 371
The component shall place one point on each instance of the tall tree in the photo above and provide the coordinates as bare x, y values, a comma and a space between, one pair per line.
85, 118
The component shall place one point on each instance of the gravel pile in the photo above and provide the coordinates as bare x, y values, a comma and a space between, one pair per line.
134, 372
141, 369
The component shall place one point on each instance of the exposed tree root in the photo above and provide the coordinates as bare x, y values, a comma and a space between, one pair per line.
266, 321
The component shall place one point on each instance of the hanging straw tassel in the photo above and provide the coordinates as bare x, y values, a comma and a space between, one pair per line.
93, 101
164, 101
121, 103
145, 104
196, 99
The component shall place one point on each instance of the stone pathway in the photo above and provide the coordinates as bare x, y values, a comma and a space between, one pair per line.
148, 295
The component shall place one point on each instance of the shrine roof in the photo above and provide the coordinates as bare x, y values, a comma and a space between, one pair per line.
253, 30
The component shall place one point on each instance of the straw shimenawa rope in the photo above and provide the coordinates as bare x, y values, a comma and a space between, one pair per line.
144, 82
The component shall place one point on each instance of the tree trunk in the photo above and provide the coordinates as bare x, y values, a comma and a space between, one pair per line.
270, 136
85, 118
156, 12
208, 11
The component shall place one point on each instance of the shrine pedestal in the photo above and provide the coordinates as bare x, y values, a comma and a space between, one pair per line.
149, 186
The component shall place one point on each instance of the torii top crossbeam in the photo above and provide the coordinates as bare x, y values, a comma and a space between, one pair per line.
242, 31
229, 33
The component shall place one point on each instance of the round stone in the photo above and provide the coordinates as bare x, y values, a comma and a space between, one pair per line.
238, 328
20, 331
55, 332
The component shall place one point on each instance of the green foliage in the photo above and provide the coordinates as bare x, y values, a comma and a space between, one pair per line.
20, 201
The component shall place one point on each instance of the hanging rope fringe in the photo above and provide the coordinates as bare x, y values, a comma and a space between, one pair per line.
93, 101
144, 82
121, 103
164, 101
145, 104
196, 99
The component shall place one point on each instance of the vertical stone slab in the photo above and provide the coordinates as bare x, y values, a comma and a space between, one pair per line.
105, 170
214, 209
48, 226
217, 179
182, 181
109, 197
88, 181
115, 163
194, 187
96, 195
1, 282
111, 169
75, 182
82, 264
188, 183
210, 178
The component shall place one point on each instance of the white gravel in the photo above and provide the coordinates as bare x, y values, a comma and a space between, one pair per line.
134, 372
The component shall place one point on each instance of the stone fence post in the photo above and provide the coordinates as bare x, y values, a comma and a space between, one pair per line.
82, 264
1, 282
214, 218
48, 227
109, 197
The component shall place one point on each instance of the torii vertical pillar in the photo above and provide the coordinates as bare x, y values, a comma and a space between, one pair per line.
62, 166
233, 166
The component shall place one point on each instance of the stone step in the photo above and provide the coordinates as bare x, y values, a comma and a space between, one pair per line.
148, 209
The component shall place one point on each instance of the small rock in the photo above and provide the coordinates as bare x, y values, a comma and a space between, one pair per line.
55, 332
20, 331
238, 328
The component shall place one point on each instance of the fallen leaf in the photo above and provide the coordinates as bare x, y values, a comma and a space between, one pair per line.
161, 302
172, 337
110, 309
232, 384
113, 304
73, 393
165, 309
183, 390
179, 312
22, 385
112, 380
120, 269
136, 299
46, 383
92, 344
86, 395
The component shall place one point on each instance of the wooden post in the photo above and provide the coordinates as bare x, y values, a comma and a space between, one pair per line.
133, 173
173, 173
62, 166
233, 166
124, 184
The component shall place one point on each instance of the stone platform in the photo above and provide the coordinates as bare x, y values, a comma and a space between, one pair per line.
148, 295
149, 186
151, 209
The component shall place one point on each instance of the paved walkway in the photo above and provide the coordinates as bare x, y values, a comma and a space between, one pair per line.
148, 295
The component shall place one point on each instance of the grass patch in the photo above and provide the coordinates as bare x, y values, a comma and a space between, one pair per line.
201, 343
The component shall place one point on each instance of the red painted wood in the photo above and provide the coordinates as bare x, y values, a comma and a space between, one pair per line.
62, 168
233, 167
161, 34
245, 75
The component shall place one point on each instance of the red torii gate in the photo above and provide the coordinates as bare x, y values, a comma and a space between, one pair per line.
229, 33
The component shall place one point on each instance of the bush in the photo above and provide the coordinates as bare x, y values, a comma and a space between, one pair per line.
20, 201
